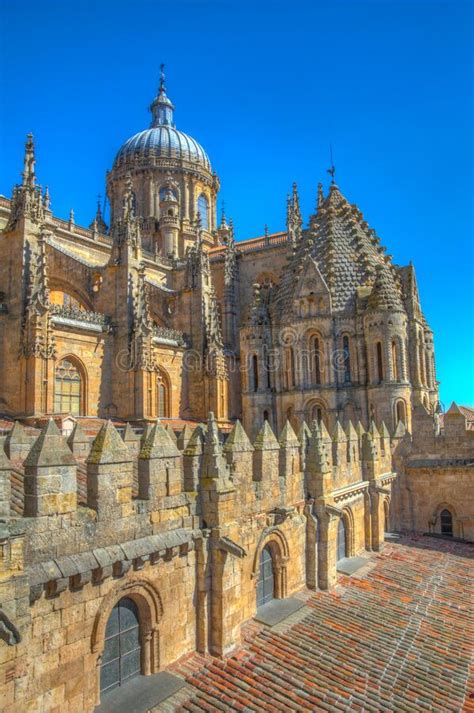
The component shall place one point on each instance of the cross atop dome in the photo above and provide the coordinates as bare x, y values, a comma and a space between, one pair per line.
162, 108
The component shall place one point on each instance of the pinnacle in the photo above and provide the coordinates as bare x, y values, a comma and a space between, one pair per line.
351, 432
288, 437
338, 434
184, 437
454, 410
129, 434
4, 460
237, 441
384, 432
266, 439
400, 430
108, 447
171, 433
50, 448
78, 435
159, 444
195, 444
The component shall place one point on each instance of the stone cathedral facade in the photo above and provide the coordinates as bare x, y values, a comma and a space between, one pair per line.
194, 426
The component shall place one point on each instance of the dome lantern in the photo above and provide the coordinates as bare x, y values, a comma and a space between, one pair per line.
162, 108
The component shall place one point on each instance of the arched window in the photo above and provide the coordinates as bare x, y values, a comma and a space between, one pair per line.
341, 540
317, 413
446, 523
255, 372
203, 210
67, 388
395, 370
315, 357
347, 359
266, 578
401, 412
378, 348
266, 416
289, 368
421, 357
122, 649
162, 397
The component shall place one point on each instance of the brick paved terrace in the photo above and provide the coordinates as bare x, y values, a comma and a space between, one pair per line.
399, 637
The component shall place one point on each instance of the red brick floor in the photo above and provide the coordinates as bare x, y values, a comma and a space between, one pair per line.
398, 639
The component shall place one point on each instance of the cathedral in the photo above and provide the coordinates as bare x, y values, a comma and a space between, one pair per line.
192, 426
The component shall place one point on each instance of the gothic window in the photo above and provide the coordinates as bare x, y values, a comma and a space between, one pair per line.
162, 397
67, 388
446, 523
396, 375
315, 356
203, 210
268, 369
122, 649
379, 358
347, 359
255, 372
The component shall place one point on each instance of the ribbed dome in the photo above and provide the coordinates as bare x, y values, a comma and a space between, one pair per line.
164, 140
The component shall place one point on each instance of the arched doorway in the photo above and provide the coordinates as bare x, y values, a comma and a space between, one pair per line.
446, 523
121, 659
341, 540
266, 578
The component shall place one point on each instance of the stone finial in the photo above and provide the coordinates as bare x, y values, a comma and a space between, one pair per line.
146, 432
213, 464
384, 438
77, 437
50, 475
304, 433
338, 435
17, 443
184, 437
360, 430
195, 445
454, 410
373, 430
50, 448
129, 435
400, 431
238, 441
266, 439
158, 444
171, 433
351, 432
288, 437
369, 448
318, 460
108, 447
353, 447
5, 486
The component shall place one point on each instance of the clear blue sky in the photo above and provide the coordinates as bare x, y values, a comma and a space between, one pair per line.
265, 87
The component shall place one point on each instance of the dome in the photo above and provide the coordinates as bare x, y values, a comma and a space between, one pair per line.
163, 139
166, 141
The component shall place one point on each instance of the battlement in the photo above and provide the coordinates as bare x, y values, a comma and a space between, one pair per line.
120, 477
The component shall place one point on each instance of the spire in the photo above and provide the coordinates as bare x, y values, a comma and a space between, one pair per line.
320, 200
29, 175
162, 108
99, 221
294, 220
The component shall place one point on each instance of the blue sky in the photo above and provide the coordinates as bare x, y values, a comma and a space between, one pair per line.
266, 87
